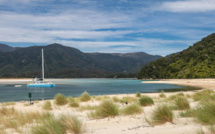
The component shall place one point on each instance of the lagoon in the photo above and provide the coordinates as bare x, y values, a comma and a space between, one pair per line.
75, 87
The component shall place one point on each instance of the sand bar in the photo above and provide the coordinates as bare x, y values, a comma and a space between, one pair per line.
202, 83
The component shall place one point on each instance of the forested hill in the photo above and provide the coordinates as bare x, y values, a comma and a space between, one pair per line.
67, 62
198, 61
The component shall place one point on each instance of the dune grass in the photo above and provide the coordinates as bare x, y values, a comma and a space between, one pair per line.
138, 94
146, 101
47, 105
48, 125
131, 109
10, 118
128, 99
60, 99
72, 124
74, 104
106, 109
85, 97
202, 95
116, 99
206, 113
87, 107
8, 103
162, 114
162, 95
182, 103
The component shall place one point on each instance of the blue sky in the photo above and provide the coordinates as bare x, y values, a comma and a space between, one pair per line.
158, 27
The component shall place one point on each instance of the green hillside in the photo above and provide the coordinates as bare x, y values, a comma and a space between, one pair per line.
198, 61
67, 62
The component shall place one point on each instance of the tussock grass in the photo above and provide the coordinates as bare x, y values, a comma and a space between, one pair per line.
87, 107
162, 114
146, 101
60, 99
72, 124
138, 94
106, 109
8, 103
49, 125
116, 99
132, 109
206, 113
128, 99
162, 95
202, 95
182, 103
70, 99
85, 97
74, 104
188, 113
47, 105
10, 118
98, 98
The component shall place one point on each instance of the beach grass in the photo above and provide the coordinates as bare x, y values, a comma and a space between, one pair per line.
202, 95
116, 99
162, 95
72, 124
138, 94
87, 107
9, 103
131, 109
182, 103
206, 113
146, 101
48, 125
74, 104
128, 99
60, 99
47, 105
85, 97
106, 109
162, 114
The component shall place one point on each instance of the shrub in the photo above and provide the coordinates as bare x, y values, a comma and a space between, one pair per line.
60, 99
138, 94
72, 124
162, 114
146, 101
47, 105
105, 109
85, 97
182, 103
132, 109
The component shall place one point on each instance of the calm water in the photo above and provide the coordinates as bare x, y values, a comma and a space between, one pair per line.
75, 87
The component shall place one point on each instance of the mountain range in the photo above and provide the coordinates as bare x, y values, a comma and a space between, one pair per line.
198, 61
67, 62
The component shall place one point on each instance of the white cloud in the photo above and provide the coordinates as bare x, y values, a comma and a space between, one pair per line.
189, 6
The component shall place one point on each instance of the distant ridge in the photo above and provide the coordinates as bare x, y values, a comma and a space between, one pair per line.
67, 62
6, 48
198, 61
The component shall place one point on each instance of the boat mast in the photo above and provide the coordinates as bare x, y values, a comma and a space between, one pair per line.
42, 65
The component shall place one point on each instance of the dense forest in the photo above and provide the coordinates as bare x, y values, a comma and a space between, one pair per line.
198, 61
67, 62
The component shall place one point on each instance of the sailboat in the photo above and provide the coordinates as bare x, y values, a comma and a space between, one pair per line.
41, 82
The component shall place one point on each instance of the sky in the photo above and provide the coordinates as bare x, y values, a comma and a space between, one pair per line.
158, 27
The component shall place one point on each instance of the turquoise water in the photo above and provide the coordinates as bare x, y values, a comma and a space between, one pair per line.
75, 87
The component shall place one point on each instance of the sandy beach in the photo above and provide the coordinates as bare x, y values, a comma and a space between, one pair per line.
126, 124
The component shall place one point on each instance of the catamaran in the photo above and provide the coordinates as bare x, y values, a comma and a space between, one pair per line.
41, 82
